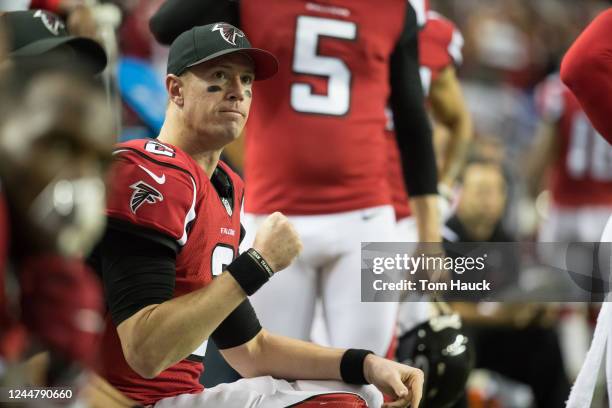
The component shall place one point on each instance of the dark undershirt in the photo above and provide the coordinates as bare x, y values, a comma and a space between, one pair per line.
138, 269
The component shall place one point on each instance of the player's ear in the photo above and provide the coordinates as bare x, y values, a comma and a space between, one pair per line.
174, 87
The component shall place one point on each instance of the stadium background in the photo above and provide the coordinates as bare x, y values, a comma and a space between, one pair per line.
510, 47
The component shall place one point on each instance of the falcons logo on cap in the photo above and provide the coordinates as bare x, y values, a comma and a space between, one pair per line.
143, 193
228, 32
50, 21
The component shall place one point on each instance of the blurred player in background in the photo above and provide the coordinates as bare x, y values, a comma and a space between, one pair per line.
578, 163
316, 148
77, 13
587, 71
54, 143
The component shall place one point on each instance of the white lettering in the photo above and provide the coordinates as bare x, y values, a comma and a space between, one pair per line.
228, 231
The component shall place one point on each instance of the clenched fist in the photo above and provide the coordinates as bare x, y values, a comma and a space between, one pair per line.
277, 241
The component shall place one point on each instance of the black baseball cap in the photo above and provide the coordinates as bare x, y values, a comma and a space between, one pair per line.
204, 43
33, 33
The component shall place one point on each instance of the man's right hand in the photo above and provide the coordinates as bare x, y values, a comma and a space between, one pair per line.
277, 241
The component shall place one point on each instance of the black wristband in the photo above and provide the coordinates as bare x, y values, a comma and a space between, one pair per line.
351, 366
250, 270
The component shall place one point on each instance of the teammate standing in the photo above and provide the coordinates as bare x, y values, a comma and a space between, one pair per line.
169, 259
580, 164
587, 71
316, 147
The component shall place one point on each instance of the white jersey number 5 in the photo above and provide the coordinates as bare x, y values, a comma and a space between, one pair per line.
306, 61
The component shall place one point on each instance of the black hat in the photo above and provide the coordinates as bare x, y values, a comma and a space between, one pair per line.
36, 32
205, 43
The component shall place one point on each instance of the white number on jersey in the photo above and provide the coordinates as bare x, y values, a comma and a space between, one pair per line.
588, 152
306, 61
222, 256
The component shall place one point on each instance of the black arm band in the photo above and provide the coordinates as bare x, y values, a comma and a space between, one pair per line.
412, 127
250, 270
351, 366
136, 271
238, 328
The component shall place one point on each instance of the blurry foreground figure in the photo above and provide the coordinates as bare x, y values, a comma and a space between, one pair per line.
55, 142
587, 71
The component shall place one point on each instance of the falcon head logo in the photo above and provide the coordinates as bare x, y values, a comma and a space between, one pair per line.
143, 193
228, 32
50, 21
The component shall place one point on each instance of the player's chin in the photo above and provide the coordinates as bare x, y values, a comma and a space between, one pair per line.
229, 133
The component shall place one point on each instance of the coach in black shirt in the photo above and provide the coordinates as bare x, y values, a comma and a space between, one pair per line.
518, 341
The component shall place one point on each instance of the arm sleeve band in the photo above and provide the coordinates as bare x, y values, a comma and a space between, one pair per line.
136, 272
412, 128
238, 328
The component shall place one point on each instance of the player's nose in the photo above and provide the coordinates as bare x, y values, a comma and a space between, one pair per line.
236, 89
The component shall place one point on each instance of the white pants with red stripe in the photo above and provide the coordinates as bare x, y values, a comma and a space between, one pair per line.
330, 268
267, 392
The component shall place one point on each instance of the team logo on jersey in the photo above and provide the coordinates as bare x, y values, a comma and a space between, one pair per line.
51, 22
228, 32
143, 193
227, 206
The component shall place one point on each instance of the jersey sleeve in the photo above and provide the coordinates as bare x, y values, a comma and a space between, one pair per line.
455, 46
150, 194
587, 70
549, 99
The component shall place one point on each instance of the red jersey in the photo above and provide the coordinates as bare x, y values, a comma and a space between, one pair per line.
316, 141
440, 44
581, 175
587, 70
161, 188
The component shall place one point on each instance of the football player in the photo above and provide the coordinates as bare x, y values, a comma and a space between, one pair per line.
579, 162
587, 70
316, 147
170, 264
